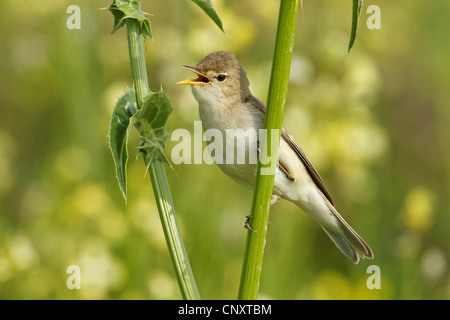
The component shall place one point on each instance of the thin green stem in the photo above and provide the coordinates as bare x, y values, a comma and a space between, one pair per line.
137, 59
158, 175
254, 249
168, 218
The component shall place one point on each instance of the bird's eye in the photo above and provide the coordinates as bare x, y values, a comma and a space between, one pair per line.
221, 77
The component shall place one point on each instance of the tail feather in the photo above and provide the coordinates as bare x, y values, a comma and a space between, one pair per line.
350, 243
352, 247
339, 231
343, 245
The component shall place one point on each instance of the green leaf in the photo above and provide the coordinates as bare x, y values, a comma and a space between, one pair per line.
129, 9
208, 8
150, 121
357, 5
119, 132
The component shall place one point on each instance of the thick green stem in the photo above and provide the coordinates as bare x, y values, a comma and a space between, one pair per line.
254, 250
158, 175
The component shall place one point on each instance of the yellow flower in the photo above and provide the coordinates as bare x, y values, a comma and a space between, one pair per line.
417, 211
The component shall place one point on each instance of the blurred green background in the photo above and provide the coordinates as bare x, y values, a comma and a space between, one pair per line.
375, 122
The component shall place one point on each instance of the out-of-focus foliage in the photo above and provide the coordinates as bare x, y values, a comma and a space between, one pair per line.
374, 122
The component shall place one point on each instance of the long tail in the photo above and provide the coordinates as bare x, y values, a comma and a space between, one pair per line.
340, 232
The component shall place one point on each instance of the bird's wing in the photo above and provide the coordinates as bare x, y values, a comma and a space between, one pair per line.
294, 145
312, 171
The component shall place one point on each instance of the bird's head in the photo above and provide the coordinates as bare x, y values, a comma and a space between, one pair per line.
219, 76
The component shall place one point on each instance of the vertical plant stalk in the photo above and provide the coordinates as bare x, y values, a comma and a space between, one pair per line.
158, 175
137, 61
254, 249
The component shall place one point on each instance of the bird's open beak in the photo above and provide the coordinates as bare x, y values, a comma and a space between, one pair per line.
201, 79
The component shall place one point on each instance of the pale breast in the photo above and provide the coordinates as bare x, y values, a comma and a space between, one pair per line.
239, 139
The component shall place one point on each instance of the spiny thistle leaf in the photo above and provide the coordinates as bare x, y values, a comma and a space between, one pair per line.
208, 8
119, 132
150, 121
130, 9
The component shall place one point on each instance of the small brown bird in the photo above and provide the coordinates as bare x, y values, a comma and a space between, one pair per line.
225, 102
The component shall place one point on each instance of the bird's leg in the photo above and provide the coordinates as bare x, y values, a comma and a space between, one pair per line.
274, 199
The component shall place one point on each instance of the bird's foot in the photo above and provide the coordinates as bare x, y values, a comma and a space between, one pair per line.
247, 224
275, 198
